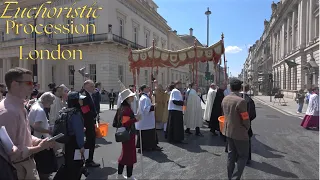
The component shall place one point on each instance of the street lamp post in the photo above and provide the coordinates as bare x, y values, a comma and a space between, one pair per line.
35, 68
208, 12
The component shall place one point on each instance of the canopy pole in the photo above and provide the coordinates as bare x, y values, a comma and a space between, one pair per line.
225, 62
196, 61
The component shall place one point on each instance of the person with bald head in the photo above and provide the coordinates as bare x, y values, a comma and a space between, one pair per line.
89, 114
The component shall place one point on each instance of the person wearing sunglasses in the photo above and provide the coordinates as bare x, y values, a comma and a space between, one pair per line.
13, 116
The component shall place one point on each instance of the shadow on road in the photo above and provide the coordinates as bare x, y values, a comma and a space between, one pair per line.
101, 173
264, 150
267, 168
102, 141
160, 157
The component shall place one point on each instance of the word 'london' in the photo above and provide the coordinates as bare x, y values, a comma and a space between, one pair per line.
50, 13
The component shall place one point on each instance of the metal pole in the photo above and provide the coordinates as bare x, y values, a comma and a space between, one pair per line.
208, 12
35, 68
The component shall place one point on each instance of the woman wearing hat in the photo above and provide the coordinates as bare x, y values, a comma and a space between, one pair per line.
75, 128
128, 155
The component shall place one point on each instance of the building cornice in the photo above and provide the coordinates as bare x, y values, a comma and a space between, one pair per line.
146, 14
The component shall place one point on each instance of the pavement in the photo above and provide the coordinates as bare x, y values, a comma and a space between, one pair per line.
281, 149
289, 109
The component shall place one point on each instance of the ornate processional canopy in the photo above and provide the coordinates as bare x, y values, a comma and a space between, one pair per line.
157, 57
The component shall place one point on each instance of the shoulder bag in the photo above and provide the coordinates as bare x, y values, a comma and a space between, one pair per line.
122, 134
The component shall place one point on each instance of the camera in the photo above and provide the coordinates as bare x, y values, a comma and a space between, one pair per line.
85, 171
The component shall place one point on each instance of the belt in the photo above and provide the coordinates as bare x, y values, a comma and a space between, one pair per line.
26, 159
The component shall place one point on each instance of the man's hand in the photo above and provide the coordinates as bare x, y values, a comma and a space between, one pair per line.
82, 153
45, 144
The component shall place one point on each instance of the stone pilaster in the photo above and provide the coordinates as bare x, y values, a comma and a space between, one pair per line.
43, 74
288, 35
311, 21
302, 23
293, 44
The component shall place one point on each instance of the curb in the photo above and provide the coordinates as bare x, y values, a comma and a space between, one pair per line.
276, 108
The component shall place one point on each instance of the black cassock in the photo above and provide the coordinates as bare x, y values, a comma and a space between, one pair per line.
216, 110
175, 127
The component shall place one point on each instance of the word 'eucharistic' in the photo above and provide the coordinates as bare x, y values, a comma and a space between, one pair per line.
50, 13
53, 55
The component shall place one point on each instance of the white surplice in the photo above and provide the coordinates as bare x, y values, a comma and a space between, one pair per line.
193, 115
313, 106
210, 99
147, 117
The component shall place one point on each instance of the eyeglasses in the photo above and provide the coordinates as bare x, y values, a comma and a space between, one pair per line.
29, 83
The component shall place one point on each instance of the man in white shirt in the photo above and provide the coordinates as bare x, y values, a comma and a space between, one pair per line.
147, 122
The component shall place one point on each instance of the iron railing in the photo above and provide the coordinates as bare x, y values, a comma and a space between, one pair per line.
126, 42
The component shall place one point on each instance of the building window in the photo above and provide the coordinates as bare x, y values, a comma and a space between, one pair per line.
2, 36
172, 77
146, 76
71, 74
135, 35
91, 23
121, 26
317, 27
69, 35
120, 73
147, 39
93, 72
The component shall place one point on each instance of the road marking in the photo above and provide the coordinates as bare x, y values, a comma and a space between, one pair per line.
277, 109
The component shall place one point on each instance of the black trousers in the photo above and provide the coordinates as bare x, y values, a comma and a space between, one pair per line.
73, 168
111, 105
129, 170
89, 124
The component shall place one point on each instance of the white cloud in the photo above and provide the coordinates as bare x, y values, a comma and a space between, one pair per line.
233, 49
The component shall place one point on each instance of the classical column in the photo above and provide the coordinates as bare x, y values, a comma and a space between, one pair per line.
21, 63
25, 64
282, 40
307, 21
293, 44
302, 24
43, 74
288, 35
311, 23
9, 64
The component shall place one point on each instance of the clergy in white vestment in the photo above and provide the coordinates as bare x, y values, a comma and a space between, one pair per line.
311, 119
175, 129
147, 122
193, 115
210, 99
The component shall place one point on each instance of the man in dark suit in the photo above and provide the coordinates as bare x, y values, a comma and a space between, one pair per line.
97, 98
112, 97
89, 114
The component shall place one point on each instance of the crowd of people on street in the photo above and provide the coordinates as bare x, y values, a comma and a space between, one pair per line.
32, 118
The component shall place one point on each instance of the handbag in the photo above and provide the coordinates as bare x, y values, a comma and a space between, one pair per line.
122, 134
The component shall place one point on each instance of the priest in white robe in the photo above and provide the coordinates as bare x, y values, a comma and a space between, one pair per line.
210, 99
193, 115
147, 122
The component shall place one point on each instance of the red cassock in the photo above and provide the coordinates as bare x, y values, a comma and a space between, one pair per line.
128, 155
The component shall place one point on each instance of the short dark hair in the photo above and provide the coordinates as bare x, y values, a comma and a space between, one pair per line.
2, 85
143, 87
15, 74
235, 84
246, 87
191, 84
97, 84
52, 85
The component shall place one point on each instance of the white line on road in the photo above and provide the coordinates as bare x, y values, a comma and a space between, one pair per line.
283, 112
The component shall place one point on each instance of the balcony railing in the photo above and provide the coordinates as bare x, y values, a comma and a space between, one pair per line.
126, 42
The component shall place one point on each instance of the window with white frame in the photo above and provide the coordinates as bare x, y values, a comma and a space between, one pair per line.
135, 35
121, 27
147, 38
93, 72
120, 73
91, 23
146, 76
71, 74
70, 35
2, 36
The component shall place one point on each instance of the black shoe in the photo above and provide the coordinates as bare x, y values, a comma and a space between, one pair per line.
187, 131
213, 132
157, 148
92, 164
248, 162
199, 134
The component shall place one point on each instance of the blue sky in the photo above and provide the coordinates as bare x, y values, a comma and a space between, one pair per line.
241, 21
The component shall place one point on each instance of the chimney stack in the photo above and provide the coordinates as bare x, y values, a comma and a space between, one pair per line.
175, 31
191, 31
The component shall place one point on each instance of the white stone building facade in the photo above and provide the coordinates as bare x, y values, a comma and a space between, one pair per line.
289, 47
121, 23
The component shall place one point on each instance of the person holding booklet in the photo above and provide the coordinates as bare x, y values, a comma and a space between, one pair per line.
76, 134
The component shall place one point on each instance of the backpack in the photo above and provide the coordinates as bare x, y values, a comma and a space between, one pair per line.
251, 107
61, 124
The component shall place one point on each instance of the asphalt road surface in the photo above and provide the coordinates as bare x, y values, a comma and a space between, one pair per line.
281, 149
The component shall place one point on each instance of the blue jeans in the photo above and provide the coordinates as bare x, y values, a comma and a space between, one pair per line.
300, 106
